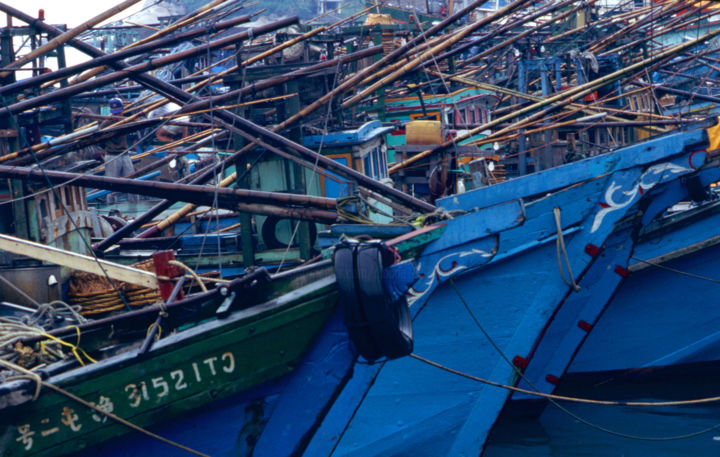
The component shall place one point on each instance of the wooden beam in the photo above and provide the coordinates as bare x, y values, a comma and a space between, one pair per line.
78, 261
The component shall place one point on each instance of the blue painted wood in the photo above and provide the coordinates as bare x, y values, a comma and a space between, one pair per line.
643, 326
565, 332
374, 230
364, 133
308, 392
699, 344
101, 193
405, 407
556, 178
478, 224
333, 425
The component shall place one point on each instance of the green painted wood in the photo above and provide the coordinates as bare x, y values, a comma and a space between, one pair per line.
266, 257
412, 244
183, 372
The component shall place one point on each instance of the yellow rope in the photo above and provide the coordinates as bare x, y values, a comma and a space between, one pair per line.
178, 263
157, 337
76, 350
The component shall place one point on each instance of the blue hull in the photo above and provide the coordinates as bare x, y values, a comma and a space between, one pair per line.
271, 420
660, 317
640, 325
490, 286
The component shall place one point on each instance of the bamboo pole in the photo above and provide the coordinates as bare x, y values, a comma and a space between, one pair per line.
61, 73
590, 109
603, 22
204, 195
562, 98
351, 81
253, 132
300, 38
666, 9
162, 206
72, 33
270, 52
527, 32
185, 20
142, 67
429, 53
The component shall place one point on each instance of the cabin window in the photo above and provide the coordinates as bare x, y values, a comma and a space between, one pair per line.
483, 115
460, 117
471, 115
376, 167
382, 155
367, 163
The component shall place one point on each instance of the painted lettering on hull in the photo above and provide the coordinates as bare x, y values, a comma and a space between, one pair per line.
157, 389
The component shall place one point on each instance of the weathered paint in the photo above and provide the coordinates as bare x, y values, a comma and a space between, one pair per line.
408, 408
182, 372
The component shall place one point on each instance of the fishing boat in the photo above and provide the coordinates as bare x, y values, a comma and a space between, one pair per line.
489, 286
232, 338
676, 254
495, 278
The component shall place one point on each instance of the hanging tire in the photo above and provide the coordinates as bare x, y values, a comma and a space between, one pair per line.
390, 321
354, 316
270, 237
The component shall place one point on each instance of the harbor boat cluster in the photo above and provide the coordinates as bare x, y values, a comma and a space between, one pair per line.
352, 229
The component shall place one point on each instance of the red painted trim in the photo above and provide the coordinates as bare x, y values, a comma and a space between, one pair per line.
622, 271
552, 379
164, 269
585, 325
592, 250
520, 362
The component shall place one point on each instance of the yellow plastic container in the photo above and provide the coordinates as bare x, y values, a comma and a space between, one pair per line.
423, 132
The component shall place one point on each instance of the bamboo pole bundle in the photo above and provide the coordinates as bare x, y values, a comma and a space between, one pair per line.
142, 67
70, 34
183, 21
563, 98
399, 71
505, 28
527, 32
666, 9
269, 52
352, 81
603, 22
114, 57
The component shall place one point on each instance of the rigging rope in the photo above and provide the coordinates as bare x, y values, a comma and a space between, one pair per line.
554, 399
39, 382
560, 245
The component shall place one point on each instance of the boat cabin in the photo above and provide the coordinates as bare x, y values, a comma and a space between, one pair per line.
363, 149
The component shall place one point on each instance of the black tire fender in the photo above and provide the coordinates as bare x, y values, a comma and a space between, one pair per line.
344, 259
389, 320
